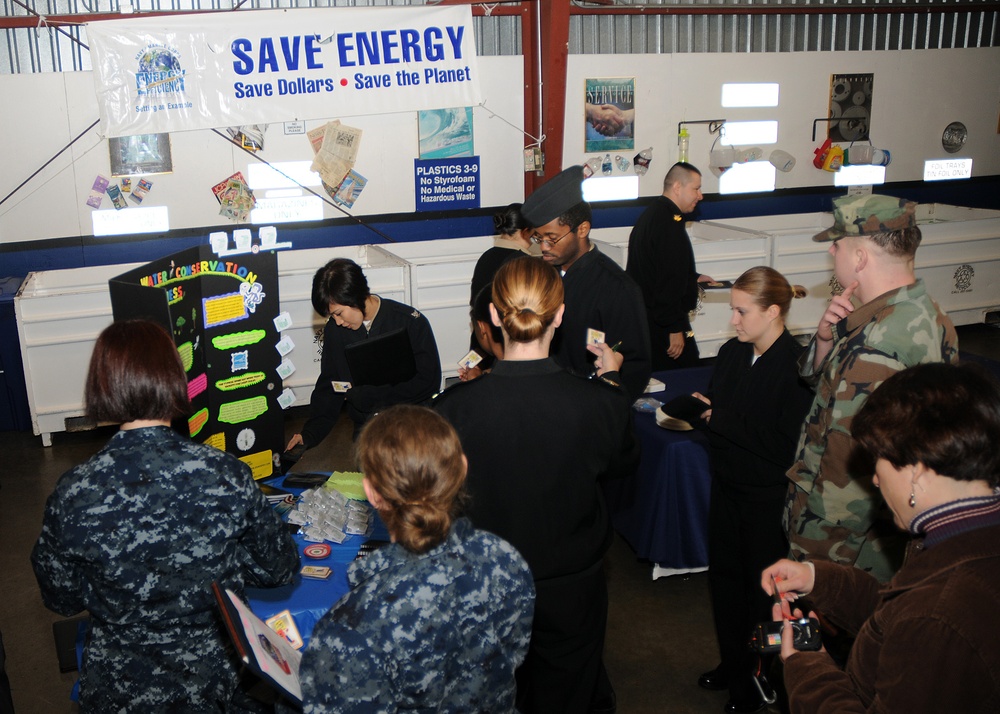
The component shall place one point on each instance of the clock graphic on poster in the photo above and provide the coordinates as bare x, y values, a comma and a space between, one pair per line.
245, 439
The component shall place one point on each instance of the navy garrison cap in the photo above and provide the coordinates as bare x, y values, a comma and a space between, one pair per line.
555, 197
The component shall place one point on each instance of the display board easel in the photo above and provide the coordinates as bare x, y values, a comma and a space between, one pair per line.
221, 313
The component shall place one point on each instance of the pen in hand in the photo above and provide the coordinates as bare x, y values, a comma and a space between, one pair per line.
615, 347
776, 596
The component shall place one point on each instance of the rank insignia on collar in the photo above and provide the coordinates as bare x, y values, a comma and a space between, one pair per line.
415, 314
677, 217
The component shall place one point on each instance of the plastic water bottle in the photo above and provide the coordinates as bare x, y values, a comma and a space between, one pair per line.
606, 165
640, 163
683, 141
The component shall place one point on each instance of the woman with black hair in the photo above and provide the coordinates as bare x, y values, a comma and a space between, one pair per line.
513, 238
340, 293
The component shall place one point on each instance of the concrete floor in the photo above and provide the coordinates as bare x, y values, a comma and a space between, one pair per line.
660, 635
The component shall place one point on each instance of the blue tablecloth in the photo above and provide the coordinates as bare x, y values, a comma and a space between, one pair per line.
662, 511
309, 599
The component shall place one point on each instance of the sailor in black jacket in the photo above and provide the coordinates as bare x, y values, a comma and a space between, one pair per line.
539, 440
661, 261
340, 292
758, 405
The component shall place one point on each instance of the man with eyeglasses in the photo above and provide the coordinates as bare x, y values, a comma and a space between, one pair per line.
599, 295
661, 261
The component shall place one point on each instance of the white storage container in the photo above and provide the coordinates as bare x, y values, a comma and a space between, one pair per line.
59, 315
61, 312
441, 281
794, 254
722, 252
958, 259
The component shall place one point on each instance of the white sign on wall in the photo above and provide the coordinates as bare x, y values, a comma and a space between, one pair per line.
230, 69
947, 169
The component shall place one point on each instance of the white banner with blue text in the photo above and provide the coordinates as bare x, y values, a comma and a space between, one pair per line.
166, 74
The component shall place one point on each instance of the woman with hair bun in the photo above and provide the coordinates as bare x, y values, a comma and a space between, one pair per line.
513, 239
757, 408
536, 484
436, 621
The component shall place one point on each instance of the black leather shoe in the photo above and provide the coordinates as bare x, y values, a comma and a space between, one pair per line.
714, 681
750, 707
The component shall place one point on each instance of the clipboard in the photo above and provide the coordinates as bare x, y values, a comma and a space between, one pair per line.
386, 359
262, 649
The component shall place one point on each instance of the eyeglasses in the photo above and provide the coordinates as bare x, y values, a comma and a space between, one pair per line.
541, 240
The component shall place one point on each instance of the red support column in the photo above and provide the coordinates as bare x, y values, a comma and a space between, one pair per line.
553, 24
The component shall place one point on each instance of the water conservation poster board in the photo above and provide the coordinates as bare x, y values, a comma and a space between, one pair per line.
221, 313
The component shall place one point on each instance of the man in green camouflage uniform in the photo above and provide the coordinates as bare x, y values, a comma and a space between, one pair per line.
833, 513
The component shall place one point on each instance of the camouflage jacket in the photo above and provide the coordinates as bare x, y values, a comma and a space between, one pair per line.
136, 535
899, 329
438, 632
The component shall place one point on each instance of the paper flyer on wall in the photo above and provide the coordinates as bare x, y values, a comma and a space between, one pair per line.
337, 153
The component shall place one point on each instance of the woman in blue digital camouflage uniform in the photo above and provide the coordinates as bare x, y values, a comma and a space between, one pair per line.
437, 621
137, 534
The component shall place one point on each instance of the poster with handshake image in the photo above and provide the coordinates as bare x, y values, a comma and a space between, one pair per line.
609, 114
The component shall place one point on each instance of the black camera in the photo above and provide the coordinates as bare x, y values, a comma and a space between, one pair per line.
766, 637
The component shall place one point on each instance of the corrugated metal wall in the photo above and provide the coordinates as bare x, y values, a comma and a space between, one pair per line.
666, 34
46, 49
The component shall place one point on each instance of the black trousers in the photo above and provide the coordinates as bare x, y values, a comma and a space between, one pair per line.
6, 703
744, 537
561, 671
659, 341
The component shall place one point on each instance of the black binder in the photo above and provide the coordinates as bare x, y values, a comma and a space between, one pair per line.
386, 359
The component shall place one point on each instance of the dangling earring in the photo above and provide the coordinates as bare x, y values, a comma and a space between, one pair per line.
913, 499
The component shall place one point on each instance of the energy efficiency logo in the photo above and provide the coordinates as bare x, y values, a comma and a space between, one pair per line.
159, 71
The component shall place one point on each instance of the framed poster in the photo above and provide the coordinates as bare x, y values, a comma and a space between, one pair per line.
140, 154
609, 114
850, 106
445, 133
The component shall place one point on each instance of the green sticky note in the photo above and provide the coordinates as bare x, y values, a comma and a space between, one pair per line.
348, 483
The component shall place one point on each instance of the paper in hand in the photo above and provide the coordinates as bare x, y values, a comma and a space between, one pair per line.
594, 337
471, 359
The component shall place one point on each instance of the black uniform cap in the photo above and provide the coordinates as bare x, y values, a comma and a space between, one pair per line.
555, 197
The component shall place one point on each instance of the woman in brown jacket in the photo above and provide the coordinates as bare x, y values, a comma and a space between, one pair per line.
927, 641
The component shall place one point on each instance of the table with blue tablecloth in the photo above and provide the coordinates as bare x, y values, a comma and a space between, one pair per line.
308, 599
662, 510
